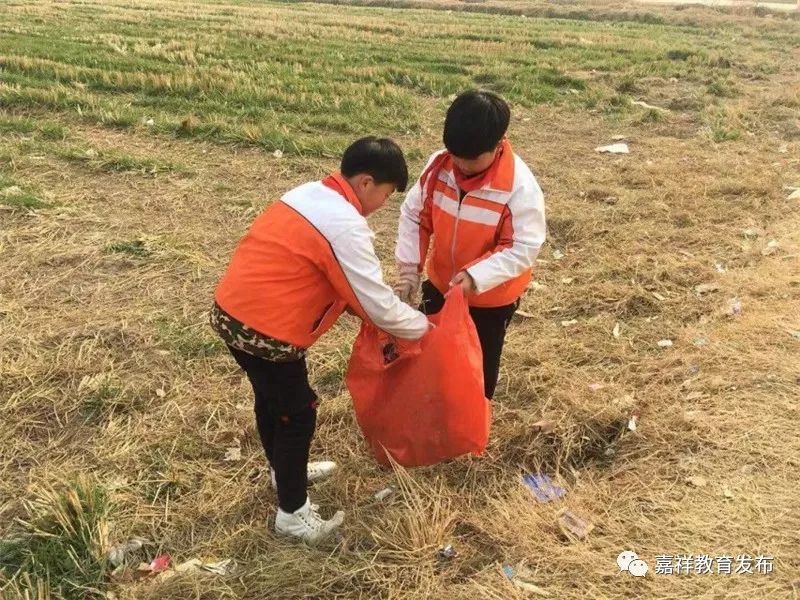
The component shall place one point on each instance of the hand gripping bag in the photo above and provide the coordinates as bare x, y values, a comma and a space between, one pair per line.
422, 402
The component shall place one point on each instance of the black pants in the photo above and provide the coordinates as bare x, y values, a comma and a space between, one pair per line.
286, 415
491, 324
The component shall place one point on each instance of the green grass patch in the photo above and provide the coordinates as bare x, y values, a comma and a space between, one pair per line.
116, 162
136, 248
61, 543
17, 195
189, 341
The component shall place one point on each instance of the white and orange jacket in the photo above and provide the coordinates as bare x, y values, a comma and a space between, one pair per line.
494, 232
306, 258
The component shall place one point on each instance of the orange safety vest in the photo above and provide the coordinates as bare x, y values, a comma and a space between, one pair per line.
493, 232
306, 258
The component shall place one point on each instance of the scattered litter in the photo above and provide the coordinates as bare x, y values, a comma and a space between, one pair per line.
727, 493
596, 387
734, 308
195, 565
508, 571
116, 555
649, 106
783, 148
795, 195
543, 488
567, 280
524, 314
157, 565
558, 254
750, 233
160, 392
619, 148
223, 567
278, 154
447, 552
720, 267
665, 343
658, 296
633, 422
772, 247
10, 191
544, 426
521, 579
573, 525
706, 288
233, 454
535, 285
697, 481
385, 493
569, 323
149, 122
795, 334
700, 342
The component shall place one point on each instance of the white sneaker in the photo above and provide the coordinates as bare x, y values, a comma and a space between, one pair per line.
306, 524
317, 471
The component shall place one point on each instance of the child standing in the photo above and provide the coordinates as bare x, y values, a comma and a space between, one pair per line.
304, 260
481, 211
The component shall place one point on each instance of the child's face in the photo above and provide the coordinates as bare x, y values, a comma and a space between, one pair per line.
373, 195
473, 166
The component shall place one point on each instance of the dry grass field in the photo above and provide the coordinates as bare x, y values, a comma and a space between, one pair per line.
139, 140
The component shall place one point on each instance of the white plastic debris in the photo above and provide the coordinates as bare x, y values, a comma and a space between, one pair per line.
535, 285
720, 267
735, 307
697, 481
649, 106
161, 393
665, 343
750, 232
783, 148
596, 387
385, 493
618, 148
699, 342
233, 454
658, 296
116, 555
633, 422
278, 154
795, 195
567, 280
569, 323
616, 331
558, 254
771, 248
524, 314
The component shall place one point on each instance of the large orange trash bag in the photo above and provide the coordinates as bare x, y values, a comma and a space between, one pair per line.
422, 402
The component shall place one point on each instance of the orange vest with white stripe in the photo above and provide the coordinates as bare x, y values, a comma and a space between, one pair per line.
306, 258
494, 232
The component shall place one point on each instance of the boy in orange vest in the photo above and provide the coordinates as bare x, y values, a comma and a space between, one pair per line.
305, 259
481, 211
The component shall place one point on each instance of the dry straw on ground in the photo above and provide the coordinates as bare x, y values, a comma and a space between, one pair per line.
119, 405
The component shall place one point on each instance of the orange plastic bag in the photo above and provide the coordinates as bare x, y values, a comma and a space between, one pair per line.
422, 402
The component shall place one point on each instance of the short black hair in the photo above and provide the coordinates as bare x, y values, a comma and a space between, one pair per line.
475, 123
381, 158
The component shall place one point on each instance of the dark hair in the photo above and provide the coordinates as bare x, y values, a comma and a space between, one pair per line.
381, 158
475, 123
